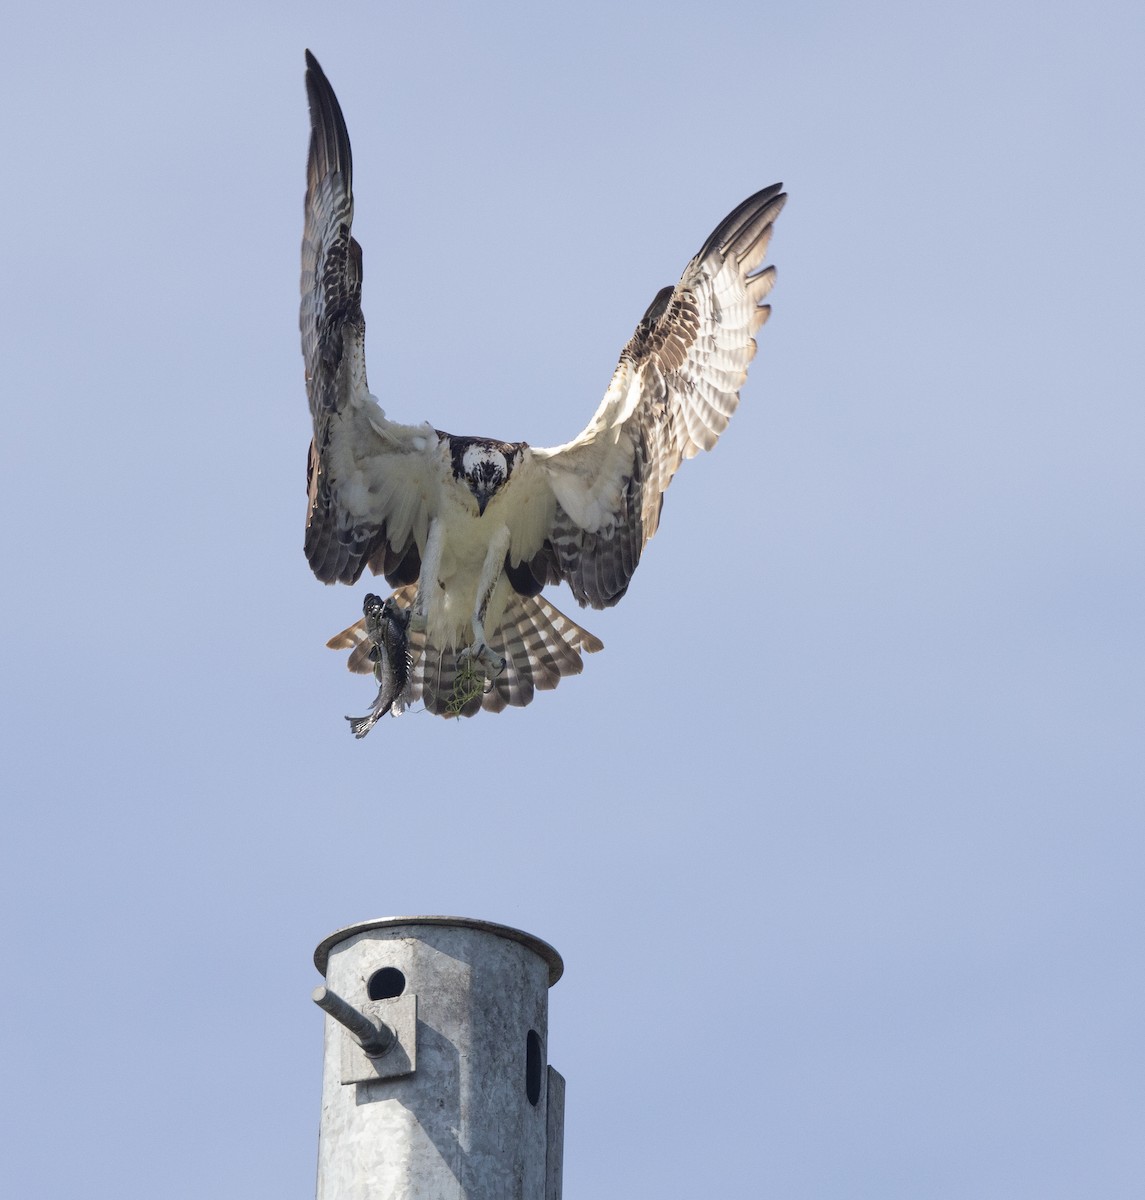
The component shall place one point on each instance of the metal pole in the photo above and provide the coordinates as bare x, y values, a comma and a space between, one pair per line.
463, 1104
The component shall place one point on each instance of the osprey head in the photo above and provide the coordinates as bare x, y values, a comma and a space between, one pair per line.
484, 469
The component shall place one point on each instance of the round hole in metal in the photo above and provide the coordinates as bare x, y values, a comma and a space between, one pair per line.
385, 984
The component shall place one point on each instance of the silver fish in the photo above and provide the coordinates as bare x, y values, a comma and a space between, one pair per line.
387, 627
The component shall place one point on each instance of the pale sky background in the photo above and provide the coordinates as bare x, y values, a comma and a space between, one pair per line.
842, 836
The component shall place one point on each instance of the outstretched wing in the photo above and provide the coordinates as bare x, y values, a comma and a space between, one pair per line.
673, 392
368, 478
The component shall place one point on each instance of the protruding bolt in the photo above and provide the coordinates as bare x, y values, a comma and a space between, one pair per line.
373, 1036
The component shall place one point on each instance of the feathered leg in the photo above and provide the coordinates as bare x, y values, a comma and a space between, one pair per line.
430, 568
491, 571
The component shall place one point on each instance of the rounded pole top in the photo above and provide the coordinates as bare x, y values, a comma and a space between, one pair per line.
541, 948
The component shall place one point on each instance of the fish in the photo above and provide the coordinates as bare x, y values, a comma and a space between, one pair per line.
387, 629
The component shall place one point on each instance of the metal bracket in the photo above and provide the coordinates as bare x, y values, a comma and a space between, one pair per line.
400, 1015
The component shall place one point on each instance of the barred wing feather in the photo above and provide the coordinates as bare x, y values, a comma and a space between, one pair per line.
366, 475
672, 395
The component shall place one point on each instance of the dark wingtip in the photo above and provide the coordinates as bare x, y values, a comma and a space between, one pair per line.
742, 214
330, 141
316, 81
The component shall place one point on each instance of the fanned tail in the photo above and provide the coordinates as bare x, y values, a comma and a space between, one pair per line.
540, 646
539, 643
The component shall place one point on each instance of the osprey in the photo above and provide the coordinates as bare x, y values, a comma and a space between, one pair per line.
469, 530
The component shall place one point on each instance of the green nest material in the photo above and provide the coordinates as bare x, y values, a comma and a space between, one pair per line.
469, 685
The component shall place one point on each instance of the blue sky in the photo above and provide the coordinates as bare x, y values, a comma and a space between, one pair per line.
840, 837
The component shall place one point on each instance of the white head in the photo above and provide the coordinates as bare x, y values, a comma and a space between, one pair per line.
484, 469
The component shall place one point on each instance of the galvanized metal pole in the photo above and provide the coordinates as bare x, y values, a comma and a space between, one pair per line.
460, 1102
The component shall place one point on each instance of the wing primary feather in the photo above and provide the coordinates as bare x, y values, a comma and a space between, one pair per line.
329, 138
765, 203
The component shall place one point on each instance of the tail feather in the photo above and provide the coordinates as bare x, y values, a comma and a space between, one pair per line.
539, 643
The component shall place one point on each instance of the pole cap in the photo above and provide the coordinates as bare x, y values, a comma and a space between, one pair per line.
542, 949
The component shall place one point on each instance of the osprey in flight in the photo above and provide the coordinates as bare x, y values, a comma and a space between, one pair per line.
469, 530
